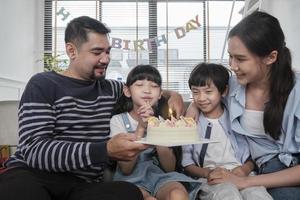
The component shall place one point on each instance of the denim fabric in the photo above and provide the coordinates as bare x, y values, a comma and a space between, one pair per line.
147, 173
280, 193
262, 146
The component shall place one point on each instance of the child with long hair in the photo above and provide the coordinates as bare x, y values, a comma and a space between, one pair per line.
153, 171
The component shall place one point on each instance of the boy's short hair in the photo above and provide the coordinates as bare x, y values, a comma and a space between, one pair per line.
204, 73
78, 28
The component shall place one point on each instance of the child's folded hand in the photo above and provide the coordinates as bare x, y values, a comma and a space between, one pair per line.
145, 111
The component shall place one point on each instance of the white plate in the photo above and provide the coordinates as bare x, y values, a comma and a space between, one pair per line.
201, 141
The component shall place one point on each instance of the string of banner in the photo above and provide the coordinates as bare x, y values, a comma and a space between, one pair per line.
147, 43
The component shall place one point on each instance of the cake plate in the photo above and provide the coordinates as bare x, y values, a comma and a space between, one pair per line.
181, 143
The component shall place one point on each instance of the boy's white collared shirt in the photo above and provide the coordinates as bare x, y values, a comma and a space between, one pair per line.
219, 154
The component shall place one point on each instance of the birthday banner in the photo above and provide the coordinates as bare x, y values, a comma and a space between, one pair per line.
147, 43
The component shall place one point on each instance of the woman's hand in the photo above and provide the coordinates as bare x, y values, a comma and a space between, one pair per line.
239, 171
221, 175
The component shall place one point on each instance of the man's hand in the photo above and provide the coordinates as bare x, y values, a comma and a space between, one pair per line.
122, 147
176, 103
192, 111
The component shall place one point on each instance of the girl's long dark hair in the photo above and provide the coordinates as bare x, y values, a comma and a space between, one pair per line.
124, 104
140, 72
261, 34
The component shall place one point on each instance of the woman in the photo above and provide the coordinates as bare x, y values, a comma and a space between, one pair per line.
264, 106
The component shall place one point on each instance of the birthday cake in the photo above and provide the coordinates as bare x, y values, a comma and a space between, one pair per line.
179, 130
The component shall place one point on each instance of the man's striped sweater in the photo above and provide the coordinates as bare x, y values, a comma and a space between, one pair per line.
64, 125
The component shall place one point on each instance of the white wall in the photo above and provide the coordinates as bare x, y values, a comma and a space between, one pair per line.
9, 122
287, 11
21, 39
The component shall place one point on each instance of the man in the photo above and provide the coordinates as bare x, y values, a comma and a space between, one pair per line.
64, 126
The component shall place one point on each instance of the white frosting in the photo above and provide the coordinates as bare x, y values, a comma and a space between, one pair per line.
172, 134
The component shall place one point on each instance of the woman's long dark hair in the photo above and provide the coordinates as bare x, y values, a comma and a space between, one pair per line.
261, 34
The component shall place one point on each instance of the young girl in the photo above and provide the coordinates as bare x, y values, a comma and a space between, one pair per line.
209, 84
153, 170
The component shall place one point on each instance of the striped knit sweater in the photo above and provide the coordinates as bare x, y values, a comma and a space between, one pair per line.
64, 125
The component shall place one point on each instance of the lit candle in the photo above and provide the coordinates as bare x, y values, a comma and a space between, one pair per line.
170, 112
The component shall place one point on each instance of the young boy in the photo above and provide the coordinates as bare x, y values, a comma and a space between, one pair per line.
209, 85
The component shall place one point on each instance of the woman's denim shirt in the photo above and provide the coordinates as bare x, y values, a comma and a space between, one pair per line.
263, 147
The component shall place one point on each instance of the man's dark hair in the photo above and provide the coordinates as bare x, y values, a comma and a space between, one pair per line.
78, 28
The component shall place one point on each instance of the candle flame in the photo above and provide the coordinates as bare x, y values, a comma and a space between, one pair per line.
170, 112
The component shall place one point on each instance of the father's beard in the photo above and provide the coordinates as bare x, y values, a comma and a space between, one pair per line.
100, 77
